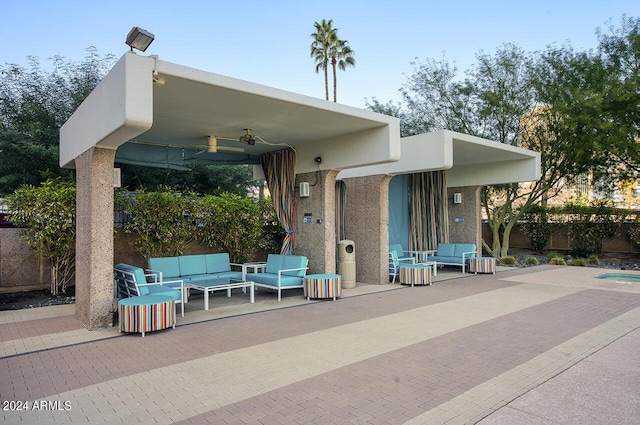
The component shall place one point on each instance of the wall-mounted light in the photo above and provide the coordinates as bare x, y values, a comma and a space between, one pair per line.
139, 39
318, 159
457, 198
304, 189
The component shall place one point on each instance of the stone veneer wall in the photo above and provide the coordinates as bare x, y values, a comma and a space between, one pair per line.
465, 223
315, 221
367, 223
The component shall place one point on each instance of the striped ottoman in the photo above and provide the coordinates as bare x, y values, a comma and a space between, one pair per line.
415, 274
147, 313
482, 265
322, 286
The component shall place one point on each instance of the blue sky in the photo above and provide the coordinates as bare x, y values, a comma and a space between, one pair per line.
267, 42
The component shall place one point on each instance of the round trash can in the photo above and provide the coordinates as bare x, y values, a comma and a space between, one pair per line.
347, 263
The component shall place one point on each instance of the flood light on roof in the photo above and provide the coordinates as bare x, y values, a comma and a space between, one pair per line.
139, 39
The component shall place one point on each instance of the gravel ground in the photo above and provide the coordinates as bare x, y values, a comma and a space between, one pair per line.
43, 298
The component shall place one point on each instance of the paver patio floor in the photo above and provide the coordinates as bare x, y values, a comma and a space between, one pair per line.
475, 348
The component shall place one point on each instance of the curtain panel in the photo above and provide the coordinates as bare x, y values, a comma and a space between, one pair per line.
429, 215
279, 171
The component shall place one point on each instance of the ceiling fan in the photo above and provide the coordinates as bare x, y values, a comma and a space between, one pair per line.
213, 147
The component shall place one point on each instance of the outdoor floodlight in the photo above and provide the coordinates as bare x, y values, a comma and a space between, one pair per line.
139, 39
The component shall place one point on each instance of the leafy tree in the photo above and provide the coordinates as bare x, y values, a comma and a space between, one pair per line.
341, 56
619, 105
202, 179
160, 220
47, 213
324, 38
231, 223
561, 103
33, 106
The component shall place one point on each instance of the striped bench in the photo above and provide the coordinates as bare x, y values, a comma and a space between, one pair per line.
147, 313
322, 286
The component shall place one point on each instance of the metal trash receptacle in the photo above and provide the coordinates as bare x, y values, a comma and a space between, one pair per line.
347, 263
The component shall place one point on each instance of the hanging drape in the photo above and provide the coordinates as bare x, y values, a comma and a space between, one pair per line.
429, 215
341, 201
279, 171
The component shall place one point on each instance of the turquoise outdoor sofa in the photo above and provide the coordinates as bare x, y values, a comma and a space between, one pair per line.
454, 254
131, 281
281, 272
193, 268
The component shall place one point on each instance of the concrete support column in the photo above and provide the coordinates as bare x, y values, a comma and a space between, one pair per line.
94, 240
367, 221
465, 218
315, 221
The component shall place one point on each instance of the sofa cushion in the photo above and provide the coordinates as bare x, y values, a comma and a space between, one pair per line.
169, 266
272, 279
163, 290
138, 275
446, 260
192, 265
274, 263
217, 263
294, 262
445, 250
233, 275
464, 247
397, 248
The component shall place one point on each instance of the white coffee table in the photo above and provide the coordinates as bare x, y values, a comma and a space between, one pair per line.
219, 284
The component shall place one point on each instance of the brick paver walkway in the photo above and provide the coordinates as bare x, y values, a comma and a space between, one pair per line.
450, 353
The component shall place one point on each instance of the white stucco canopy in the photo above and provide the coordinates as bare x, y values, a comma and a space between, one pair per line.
165, 112
469, 160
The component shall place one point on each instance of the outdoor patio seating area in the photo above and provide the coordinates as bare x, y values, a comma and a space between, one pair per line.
469, 348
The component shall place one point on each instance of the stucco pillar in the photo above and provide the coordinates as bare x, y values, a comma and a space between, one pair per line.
94, 238
465, 218
315, 221
367, 222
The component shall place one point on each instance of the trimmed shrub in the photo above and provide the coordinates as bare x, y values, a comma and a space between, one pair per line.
594, 260
580, 262
508, 261
531, 261
557, 261
551, 255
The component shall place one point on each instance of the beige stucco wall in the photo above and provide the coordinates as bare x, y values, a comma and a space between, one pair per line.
21, 268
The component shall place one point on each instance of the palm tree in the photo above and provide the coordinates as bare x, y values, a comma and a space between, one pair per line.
341, 55
323, 38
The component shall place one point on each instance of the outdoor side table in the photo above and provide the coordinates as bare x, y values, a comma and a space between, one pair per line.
482, 265
322, 286
415, 274
147, 313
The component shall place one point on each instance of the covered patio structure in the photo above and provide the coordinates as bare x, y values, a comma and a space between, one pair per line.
156, 113
152, 112
431, 195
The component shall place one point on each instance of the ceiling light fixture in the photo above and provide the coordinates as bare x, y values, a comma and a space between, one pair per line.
139, 39
248, 138
212, 144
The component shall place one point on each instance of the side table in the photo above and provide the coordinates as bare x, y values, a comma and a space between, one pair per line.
482, 265
322, 286
415, 274
147, 313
